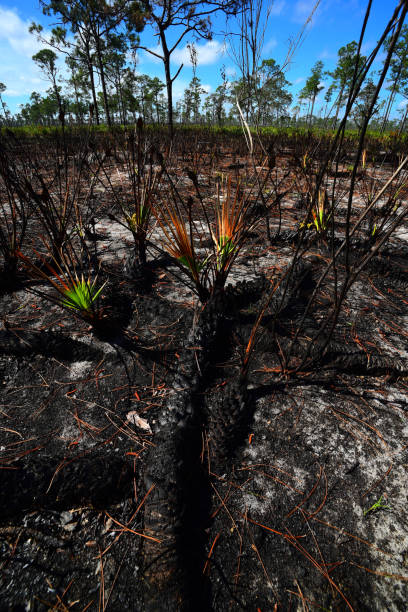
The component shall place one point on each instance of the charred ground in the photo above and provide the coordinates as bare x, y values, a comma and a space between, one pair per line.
143, 465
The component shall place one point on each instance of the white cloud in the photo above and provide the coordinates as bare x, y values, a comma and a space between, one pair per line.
367, 47
268, 46
208, 53
327, 55
277, 7
231, 72
380, 58
14, 32
298, 80
149, 57
17, 46
303, 10
180, 85
133, 57
10, 23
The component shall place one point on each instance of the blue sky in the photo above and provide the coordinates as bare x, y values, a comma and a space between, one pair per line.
335, 23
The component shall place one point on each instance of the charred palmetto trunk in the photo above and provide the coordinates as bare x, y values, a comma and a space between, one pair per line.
176, 510
135, 265
229, 414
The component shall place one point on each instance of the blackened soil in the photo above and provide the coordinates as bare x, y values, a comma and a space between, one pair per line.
143, 469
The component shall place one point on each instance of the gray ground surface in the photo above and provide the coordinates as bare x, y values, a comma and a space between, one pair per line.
288, 521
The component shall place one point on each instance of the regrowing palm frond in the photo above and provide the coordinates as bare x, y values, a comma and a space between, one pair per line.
81, 296
178, 242
76, 293
231, 214
226, 222
142, 176
320, 214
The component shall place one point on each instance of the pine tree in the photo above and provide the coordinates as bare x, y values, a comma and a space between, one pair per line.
312, 88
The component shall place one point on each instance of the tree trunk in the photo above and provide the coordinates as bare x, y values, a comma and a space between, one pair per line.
401, 127
4, 110
122, 111
169, 81
389, 106
392, 97
169, 86
78, 112
103, 82
58, 97
143, 110
308, 113
94, 98
91, 78
311, 110
338, 106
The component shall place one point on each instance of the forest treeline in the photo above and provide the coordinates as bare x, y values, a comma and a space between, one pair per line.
100, 42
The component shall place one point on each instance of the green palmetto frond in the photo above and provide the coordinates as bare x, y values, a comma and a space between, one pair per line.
320, 215
226, 223
230, 225
225, 247
138, 216
76, 294
81, 296
139, 220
